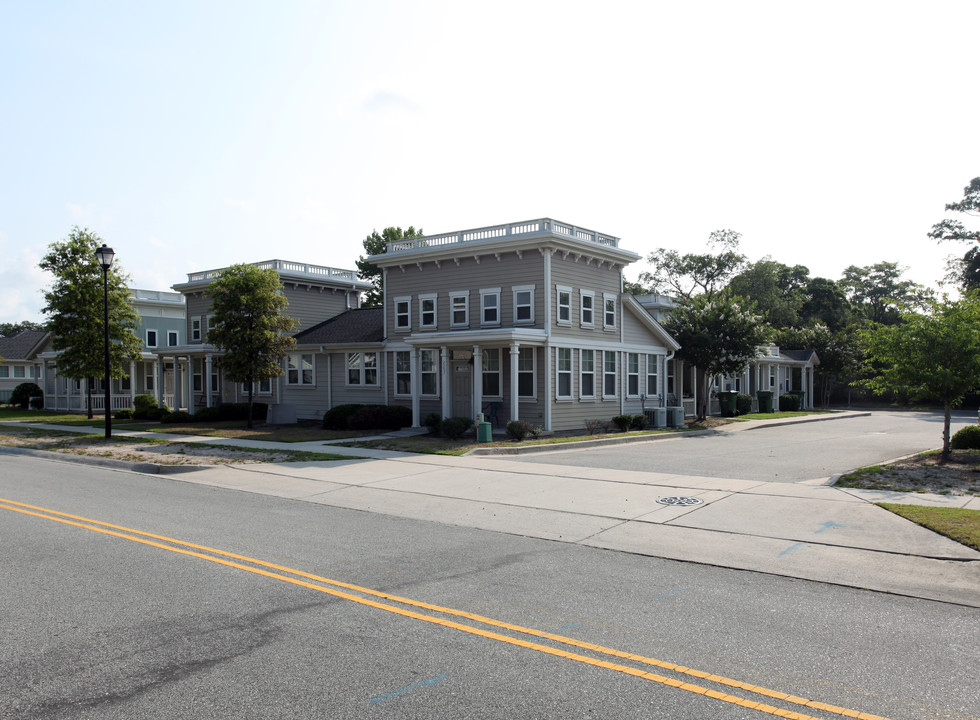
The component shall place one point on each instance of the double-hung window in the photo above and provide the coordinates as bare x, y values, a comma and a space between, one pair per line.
491, 372
19, 371
4, 371
586, 364
459, 309
609, 311
299, 369
564, 297
429, 372
197, 371
564, 372
525, 373
151, 338
524, 305
490, 306
609, 373
403, 313
362, 368
427, 311
652, 390
632, 374
669, 372
403, 372
148, 376
172, 338
196, 329
587, 303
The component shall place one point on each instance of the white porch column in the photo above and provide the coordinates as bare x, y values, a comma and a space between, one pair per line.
515, 354
416, 398
447, 405
477, 381
548, 392
133, 379
207, 380
178, 379
159, 372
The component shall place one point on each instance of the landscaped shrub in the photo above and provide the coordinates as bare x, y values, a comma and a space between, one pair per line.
967, 438
623, 422
518, 429
336, 417
432, 421
638, 422
123, 414
23, 393
594, 426
399, 416
207, 414
789, 402
177, 416
142, 404
369, 417
455, 427
743, 404
155, 413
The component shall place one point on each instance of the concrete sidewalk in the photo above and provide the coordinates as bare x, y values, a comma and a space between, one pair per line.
800, 530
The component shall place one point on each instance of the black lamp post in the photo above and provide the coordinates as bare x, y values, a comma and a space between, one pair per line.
105, 255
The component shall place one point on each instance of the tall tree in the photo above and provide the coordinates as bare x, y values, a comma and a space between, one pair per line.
8, 329
933, 355
826, 303
966, 270
838, 351
375, 244
879, 292
778, 290
248, 325
684, 276
74, 306
718, 334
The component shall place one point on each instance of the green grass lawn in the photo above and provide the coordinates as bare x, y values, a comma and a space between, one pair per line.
958, 524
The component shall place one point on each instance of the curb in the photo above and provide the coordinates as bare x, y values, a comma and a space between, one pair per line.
552, 447
806, 419
145, 468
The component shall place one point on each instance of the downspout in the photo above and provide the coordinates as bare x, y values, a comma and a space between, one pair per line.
663, 395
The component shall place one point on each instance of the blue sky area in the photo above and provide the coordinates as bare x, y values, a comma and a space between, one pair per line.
192, 135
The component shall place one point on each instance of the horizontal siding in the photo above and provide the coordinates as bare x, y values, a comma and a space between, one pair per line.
310, 306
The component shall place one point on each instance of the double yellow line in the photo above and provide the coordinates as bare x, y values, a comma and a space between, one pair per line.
260, 567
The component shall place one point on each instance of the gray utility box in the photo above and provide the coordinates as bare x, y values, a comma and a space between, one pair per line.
656, 417
675, 416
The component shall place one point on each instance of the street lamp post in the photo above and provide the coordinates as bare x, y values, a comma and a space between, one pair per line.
105, 255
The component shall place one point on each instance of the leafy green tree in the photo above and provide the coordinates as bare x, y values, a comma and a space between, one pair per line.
826, 303
880, 294
249, 325
718, 334
684, 276
933, 355
74, 306
375, 244
838, 350
778, 290
965, 271
8, 329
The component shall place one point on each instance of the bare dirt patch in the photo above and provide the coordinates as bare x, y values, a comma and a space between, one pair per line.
922, 474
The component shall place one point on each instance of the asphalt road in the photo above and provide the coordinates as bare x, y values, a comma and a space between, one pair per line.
789, 453
98, 625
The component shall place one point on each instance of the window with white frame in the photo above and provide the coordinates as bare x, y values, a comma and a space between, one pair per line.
525, 373
632, 374
490, 306
587, 303
172, 339
403, 313
429, 371
427, 311
299, 369
608, 373
214, 377
4, 371
669, 372
148, 369
151, 338
362, 368
459, 309
206, 325
491, 372
197, 375
403, 373
262, 387
652, 390
563, 380
564, 298
523, 304
608, 311
586, 364
19, 371
196, 329
772, 376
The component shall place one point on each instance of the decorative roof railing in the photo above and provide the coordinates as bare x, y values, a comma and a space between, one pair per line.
314, 272
543, 226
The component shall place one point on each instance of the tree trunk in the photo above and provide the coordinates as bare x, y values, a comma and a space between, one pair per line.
88, 390
944, 456
251, 389
704, 402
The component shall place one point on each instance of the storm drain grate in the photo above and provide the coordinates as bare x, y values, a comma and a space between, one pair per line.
679, 500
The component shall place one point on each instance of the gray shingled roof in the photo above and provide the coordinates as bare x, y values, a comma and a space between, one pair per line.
800, 355
23, 345
360, 325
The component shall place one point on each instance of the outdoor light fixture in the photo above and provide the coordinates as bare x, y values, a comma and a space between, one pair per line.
105, 255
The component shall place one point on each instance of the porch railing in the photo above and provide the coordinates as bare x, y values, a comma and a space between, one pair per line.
543, 226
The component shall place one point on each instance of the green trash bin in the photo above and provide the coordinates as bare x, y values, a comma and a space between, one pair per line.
484, 432
765, 401
726, 401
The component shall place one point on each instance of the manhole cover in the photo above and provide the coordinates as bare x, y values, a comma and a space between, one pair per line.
679, 500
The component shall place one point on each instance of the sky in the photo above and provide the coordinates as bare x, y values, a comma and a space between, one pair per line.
193, 135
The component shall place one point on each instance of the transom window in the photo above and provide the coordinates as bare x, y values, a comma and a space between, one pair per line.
299, 369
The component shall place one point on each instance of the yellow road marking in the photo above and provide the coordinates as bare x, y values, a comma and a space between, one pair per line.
90, 524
